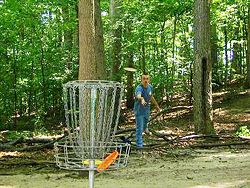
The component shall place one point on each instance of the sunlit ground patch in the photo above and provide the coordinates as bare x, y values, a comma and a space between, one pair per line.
10, 154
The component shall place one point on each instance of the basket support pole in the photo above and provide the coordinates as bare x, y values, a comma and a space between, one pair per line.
92, 138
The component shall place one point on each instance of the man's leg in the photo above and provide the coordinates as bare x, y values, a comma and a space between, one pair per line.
139, 130
145, 123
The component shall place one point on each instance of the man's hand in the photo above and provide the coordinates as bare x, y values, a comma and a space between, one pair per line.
143, 102
141, 99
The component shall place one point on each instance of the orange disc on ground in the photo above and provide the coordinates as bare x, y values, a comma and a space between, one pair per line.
107, 161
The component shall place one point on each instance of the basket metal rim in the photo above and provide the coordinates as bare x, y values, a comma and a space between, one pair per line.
100, 83
66, 162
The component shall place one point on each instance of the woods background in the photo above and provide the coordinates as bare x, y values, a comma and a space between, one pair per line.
39, 52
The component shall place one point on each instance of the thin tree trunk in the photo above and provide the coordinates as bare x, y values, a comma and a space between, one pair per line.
130, 79
231, 61
15, 88
91, 44
214, 54
191, 83
143, 54
130, 75
245, 25
236, 59
202, 69
31, 89
248, 49
76, 43
241, 56
115, 50
163, 59
173, 52
244, 54
31, 85
68, 36
226, 56
44, 87
21, 107
155, 54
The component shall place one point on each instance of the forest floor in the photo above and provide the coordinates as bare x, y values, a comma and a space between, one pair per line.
173, 157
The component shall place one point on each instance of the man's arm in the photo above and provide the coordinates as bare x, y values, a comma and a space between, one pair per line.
155, 103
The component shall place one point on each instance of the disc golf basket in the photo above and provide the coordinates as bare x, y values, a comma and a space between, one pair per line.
92, 110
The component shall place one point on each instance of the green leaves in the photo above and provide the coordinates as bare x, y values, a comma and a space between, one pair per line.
38, 47
243, 131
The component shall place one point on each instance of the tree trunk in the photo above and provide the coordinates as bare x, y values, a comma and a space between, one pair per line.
202, 69
130, 75
15, 88
173, 53
191, 83
156, 54
214, 54
143, 54
44, 84
226, 56
68, 37
163, 54
31, 88
236, 59
91, 44
130, 79
248, 49
115, 50
231, 72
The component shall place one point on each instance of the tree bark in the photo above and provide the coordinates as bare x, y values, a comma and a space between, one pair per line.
130, 79
143, 53
236, 59
15, 88
129, 63
91, 44
163, 54
115, 50
68, 37
226, 56
173, 53
31, 88
44, 83
214, 54
202, 70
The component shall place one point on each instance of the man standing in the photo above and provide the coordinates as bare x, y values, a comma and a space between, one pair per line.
143, 96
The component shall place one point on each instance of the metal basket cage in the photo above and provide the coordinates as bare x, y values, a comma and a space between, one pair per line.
92, 110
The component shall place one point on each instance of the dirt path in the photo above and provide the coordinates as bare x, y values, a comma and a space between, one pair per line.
194, 169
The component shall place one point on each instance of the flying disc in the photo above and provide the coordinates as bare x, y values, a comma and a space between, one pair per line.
130, 69
107, 161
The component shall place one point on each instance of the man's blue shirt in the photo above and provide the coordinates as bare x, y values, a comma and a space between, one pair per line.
146, 93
